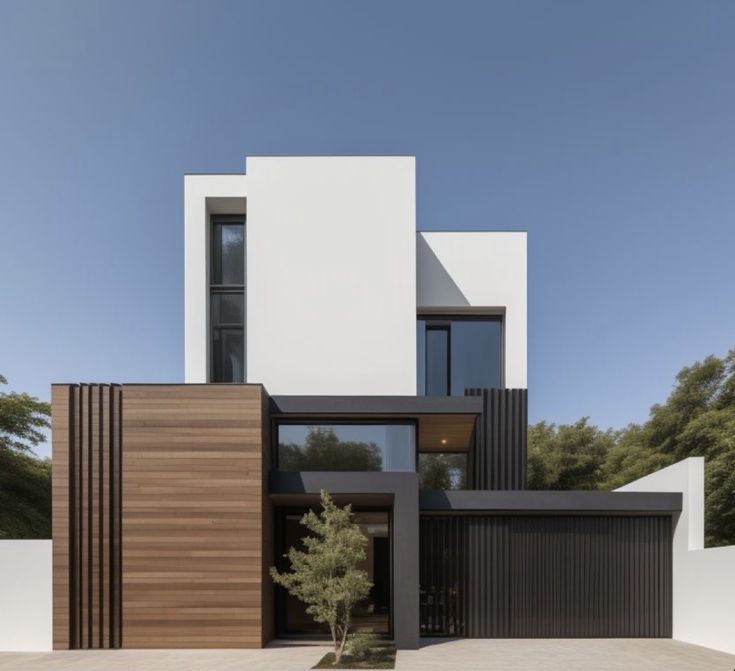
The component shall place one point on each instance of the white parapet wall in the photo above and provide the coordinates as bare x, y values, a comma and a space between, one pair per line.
25, 595
703, 579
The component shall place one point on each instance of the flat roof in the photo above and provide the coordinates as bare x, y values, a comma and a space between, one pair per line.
551, 502
376, 405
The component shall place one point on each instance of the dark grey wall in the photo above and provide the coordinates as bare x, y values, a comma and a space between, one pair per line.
498, 460
550, 502
487, 576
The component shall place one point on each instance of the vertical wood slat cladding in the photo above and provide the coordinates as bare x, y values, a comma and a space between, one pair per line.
267, 600
545, 577
192, 500
61, 440
498, 457
86, 524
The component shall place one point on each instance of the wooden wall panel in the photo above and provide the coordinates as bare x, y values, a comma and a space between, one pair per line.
268, 539
193, 492
86, 527
60, 433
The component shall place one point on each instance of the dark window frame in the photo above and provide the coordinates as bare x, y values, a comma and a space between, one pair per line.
217, 289
280, 514
444, 320
357, 421
464, 454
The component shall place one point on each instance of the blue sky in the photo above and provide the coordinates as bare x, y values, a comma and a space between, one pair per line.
605, 129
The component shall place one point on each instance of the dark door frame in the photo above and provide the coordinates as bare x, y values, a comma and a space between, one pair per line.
280, 513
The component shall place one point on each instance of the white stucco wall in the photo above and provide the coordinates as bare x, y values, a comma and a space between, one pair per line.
703, 579
331, 274
25, 595
335, 274
478, 271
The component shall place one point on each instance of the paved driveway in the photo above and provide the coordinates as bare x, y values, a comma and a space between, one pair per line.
580, 654
435, 655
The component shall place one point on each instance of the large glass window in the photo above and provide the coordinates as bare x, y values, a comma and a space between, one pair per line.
458, 353
372, 614
227, 299
443, 470
346, 447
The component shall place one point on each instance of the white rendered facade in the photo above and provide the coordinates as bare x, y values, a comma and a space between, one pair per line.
25, 586
703, 578
336, 274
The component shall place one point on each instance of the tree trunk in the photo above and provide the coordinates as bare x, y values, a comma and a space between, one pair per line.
341, 647
335, 644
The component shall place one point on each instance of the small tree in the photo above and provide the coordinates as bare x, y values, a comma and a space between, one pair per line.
325, 577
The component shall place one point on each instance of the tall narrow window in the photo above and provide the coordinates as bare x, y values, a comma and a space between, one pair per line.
437, 361
227, 299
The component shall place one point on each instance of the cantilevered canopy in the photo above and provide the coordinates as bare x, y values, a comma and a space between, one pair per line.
445, 423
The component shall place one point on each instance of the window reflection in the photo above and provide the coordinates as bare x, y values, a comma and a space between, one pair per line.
227, 299
443, 470
370, 615
346, 447
458, 353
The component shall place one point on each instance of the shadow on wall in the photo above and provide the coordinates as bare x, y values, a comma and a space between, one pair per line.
434, 277
703, 579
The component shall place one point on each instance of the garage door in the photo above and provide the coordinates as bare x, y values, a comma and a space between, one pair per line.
495, 576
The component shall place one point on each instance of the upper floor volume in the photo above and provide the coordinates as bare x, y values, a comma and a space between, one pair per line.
307, 274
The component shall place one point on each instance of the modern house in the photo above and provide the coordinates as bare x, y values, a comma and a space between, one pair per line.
331, 346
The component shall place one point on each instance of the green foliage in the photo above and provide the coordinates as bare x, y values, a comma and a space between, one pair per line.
25, 480
22, 418
380, 656
361, 643
25, 496
569, 456
697, 419
324, 451
325, 577
442, 470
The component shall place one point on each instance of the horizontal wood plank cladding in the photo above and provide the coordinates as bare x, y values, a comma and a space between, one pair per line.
498, 459
193, 496
86, 515
486, 576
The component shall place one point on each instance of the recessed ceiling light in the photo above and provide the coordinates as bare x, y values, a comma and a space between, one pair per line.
444, 441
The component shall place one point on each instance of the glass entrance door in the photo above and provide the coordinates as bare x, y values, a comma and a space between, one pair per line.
372, 614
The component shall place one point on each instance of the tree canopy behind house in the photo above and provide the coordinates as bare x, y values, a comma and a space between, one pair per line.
697, 420
25, 480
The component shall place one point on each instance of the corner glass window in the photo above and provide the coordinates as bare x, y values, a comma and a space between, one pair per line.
346, 447
458, 353
443, 470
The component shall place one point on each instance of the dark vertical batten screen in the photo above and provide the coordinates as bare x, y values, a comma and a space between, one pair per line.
95, 605
498, 460
545, 577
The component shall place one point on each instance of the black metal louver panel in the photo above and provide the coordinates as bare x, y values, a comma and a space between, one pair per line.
490, 576
498, 460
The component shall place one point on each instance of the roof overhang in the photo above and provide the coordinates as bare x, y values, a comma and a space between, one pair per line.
551, 502
445, 423
376, 405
